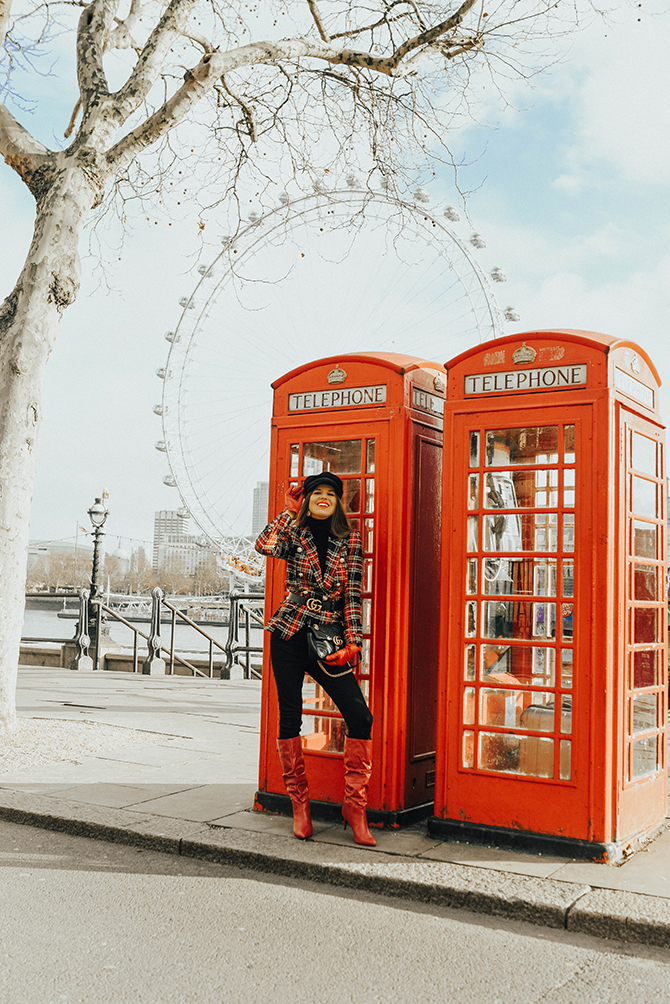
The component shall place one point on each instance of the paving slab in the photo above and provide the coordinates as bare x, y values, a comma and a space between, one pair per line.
209, 802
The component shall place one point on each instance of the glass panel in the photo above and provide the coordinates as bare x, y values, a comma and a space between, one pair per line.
352, 495
470, 619
645, 669
469, 662
644, 497
521, 576
536, 756
644, 756
645, 537
566, 760
327, 735
568, 532
521, 489
468, 749
645, 712
569, 444
473, 491
340, 457
518, 619
645, 582
569, 487
566, 667
645, 625
473, 533
471, 585
569, 577
522, 446
315, 698
567, 614
498, 752
365, 689
370, 456
644, 454
496, 660
368, 539
523, 532
295, 460
367, 615
365, 657
474, 449
469, 706
544, 666
538, 716
566, 714
505, 708
369, 494
367, 575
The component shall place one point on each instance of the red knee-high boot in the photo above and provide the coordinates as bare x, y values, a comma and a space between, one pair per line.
357, 770
295, 779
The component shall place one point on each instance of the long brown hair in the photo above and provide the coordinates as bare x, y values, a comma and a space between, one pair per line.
339, 521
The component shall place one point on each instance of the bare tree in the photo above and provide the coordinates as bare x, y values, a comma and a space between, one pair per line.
323, 87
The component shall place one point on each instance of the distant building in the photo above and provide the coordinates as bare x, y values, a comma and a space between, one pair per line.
168, 523
259, 516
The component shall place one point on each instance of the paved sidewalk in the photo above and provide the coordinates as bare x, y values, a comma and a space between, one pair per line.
171, 763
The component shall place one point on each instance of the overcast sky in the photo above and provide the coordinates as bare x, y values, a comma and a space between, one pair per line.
571, 190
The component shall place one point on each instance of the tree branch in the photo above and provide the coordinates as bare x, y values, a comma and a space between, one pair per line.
92, 37
5, 10
317, 20
24, 154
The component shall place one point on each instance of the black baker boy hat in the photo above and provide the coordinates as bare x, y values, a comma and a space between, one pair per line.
326, 478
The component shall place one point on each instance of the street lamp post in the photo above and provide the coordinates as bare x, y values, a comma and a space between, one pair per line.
97, 514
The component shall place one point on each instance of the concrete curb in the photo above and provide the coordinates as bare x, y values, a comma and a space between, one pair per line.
604, 913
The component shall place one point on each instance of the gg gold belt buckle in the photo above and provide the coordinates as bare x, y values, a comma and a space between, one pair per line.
314, 603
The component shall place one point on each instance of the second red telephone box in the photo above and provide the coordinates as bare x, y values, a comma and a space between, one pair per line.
375, 420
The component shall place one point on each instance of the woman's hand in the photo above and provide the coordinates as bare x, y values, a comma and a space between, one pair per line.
293, 499
343, 655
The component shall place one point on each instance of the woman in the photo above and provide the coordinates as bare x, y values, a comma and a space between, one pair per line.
323, 557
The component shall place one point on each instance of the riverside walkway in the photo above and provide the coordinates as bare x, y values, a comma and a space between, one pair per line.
170, 763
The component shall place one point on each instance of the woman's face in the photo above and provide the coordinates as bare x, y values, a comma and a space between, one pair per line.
322, 502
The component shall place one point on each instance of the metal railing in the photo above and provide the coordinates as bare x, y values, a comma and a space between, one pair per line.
245, 608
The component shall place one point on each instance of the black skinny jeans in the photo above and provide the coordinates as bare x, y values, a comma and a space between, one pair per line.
290, 662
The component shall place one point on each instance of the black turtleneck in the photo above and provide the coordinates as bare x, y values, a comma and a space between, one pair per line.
320, 531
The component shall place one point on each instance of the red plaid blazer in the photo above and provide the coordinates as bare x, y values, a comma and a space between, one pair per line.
341, 579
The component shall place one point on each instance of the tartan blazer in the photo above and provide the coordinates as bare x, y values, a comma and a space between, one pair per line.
341, 579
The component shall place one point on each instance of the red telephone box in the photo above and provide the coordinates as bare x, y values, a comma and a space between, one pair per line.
553, 683
374, 419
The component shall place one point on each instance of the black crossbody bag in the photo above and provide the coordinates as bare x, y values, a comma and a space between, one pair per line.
324, 640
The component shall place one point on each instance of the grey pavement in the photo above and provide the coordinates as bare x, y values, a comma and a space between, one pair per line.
182, 781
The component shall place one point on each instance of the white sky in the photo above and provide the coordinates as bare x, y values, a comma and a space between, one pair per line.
571, 196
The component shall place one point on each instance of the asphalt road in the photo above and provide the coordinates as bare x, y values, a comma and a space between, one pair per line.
88, 921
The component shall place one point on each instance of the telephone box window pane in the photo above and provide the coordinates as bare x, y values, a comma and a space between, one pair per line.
470, 619
645, 625
498, 752
468, 749
327, 735
568, 532
521, 532
521, 489
469, 706
644, 497
645, 582
471, 585
645, 537
567, 659
536, 756
522, 446
566, 760
539, 716
569, 488
365, 690
503, 707
295, 460
316, 699
644, 454
473, 492
352, 495
365, 657
544, 667
569, 444
367, 575
496, 663
342, 457
568, 577
645, 669
367, 616
518, 619
566, 714
520, 576
567, 610
469, 662
368, 540
369, 494
474, 449
473, 532
645, 760
370, 456
645, 712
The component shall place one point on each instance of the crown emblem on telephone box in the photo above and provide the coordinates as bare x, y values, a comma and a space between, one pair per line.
337, 375
525, 354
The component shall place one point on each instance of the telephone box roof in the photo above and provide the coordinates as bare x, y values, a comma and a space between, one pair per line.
397, 361
593, 338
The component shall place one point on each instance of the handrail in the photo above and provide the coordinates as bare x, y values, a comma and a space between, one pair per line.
233, 647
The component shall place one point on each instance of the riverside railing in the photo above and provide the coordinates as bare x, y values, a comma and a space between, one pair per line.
246, 609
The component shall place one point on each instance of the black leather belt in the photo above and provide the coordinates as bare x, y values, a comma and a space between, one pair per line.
318, 604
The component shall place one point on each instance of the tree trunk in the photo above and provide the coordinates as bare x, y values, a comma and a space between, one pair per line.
29, 320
